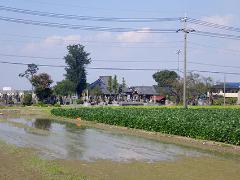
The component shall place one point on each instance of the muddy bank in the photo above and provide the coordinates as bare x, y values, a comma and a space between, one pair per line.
22, 163
189, 168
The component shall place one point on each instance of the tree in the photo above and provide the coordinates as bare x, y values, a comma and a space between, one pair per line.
27, 99
96, 91
77, 59
64, 88
198, 86
110, 86
115, 85
41, 83
31, 70
123, 85
169, 84
165, 78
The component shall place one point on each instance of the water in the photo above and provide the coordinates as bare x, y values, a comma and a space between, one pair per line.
68, 141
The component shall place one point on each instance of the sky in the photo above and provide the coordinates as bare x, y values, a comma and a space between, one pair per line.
154, 50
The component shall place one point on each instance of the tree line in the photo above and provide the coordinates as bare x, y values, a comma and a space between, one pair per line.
169, 83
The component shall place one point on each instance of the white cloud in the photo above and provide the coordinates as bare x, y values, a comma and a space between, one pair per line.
134, 36
50, 42
59, 40
223, 20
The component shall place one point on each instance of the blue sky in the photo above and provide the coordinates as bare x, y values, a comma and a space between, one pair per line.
19, 39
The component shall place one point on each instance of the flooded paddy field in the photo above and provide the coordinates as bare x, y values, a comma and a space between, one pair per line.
104, 154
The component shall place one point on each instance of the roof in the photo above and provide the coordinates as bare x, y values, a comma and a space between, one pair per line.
159, 98
232, 85
145, 90
101, 83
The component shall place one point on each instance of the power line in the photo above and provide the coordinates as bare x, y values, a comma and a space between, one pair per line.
80, 27
58, 58
214, 47
120, 61
213, 25
120, 69
107, 44
84, 18
217, 35
96, 68
215, 65
88, 41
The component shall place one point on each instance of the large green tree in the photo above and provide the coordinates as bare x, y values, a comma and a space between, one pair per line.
41, 83
169, 84
76, 60
64, 88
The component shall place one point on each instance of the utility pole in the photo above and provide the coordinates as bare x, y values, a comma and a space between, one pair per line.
178, 54
224, 90
186, 32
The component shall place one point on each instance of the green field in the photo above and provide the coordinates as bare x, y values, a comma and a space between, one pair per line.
215, 123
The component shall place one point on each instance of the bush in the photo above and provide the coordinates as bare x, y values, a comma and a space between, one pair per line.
57, 105
220, 101
79, 101
221, 125
27, 100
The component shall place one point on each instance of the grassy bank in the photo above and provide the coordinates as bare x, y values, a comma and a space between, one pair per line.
215, 124
22, 163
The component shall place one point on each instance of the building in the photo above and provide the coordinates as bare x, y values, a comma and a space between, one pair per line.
146, 94
10, 96
231, 89
134, 93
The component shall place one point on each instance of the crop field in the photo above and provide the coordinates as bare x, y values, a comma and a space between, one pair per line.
217, 124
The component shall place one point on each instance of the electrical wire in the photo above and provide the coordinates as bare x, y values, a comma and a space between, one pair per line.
96, 68
84, 18
119, 69
212, 25
216, 35
120, 61
80, 27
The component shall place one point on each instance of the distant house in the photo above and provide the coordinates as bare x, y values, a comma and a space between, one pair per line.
146, 93
134, 93
102, 84
231, 89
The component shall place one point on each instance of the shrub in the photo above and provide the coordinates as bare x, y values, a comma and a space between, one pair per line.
27, 100
79, 101
229, 101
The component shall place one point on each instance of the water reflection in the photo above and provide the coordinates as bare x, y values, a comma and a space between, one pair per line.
70, 141
44, 124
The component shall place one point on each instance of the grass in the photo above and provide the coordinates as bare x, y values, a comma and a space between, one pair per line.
30, 161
